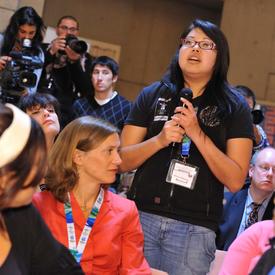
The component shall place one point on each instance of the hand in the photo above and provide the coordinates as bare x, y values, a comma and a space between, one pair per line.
57, 44
171, 132
3, 62
186, 117
72, 55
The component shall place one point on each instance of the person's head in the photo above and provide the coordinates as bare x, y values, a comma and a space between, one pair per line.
86, 148
248, 94
67, 24
104, 73
208, 59
23, 157
44, 108
25, 23
262, 170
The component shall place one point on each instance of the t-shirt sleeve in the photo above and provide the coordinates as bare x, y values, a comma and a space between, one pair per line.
142, 108
239, 124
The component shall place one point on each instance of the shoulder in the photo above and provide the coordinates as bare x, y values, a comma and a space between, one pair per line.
43, 198
152, 88
122, 98
236, 100
120, 204
262, 230
81, 101
264, 226
149, 94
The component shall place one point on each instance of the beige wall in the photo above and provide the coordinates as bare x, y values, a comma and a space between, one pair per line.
147, 30
249, 27
7, 8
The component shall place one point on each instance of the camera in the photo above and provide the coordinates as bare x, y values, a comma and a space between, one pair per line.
257, 116
19, 73
78, 46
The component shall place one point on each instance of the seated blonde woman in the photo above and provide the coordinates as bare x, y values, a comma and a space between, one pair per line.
101, 229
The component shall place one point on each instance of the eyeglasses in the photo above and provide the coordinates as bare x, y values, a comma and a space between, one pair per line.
65, 28
204, 45
266, 169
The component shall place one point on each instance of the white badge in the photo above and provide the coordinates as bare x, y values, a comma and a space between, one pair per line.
182, 174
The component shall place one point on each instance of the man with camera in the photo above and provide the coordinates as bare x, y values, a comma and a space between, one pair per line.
67, 63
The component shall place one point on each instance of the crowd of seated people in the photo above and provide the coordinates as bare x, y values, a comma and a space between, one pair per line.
186, 142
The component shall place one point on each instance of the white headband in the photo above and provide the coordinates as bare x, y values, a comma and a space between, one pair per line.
15, 137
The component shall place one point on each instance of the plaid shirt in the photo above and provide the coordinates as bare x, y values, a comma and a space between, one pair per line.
114, 111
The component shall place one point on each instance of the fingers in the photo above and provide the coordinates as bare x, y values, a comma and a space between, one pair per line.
57, 44
186, 107
3, 61
72, 54
171, 132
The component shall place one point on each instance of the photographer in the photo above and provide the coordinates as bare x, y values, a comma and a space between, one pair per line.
21, 40
66, 64
260, 140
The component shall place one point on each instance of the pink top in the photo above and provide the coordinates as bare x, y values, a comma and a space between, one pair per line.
246, 250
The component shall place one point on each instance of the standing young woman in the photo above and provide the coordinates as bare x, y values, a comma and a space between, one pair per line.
206, 144
27, 246
101, 229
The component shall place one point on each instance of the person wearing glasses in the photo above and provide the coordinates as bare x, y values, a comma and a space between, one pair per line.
66, 72
260, 193
186, 151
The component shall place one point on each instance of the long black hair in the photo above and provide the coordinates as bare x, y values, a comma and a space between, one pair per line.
24, 15
217, 91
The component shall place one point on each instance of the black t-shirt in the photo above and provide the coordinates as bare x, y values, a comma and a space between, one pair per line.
34, 250
202, 205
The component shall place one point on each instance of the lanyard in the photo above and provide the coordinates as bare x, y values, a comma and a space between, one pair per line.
77, 250
185, 146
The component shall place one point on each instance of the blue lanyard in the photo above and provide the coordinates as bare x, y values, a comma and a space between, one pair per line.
185, 146
77, 249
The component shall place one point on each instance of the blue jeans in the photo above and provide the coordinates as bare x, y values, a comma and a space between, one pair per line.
177, 247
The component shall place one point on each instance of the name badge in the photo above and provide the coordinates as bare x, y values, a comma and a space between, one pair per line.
183, 174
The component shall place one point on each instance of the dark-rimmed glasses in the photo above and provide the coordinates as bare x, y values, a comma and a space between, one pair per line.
204, 44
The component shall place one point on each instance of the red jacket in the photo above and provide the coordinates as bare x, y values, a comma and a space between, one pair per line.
115, 244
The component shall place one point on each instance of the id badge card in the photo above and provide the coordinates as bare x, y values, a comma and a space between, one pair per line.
183, 174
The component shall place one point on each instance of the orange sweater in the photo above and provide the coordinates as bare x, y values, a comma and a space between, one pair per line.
115, 244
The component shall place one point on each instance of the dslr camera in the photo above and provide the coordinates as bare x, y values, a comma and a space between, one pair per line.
78, 46
19, 73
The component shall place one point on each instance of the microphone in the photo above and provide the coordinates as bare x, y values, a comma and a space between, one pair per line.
186, 93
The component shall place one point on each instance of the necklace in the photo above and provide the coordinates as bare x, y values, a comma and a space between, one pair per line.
84, 207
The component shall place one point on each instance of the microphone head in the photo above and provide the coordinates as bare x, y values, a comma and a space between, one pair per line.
186, 93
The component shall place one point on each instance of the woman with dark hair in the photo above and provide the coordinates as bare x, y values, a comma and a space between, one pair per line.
101, 229
27, 247
44, 108
24, 24
186, 152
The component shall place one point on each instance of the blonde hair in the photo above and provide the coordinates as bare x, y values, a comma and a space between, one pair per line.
84, 133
